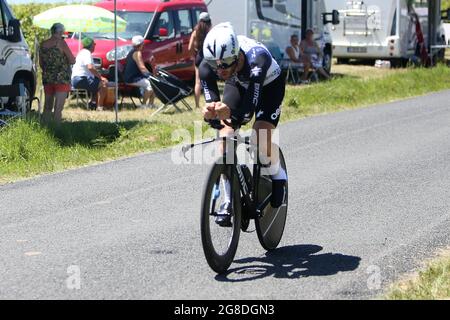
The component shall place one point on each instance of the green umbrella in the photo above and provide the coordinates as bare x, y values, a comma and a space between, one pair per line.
80, 18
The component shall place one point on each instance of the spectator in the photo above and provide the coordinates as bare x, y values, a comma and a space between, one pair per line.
55, 59
293, 51
196, 49
311, 56
85, 76
421, 52
136, 74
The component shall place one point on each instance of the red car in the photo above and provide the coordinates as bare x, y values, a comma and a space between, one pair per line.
166, 27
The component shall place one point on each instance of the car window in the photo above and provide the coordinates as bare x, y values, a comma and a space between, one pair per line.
197, 12
136, 24
165, 21
7, 15
184, 19
2, 20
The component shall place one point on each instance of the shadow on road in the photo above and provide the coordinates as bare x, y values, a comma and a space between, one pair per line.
291, 262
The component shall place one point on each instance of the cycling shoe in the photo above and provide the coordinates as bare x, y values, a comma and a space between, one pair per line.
223, 217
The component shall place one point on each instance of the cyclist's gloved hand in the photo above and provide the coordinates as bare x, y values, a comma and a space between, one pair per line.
236, 121
147, 74
215, 124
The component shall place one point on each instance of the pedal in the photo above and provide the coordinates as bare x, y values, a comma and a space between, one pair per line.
224, 221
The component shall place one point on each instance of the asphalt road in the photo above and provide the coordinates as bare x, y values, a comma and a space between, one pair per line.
369, 200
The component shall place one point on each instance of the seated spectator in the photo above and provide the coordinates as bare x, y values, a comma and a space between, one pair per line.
311, 56
136, 74
55, 59
85, 76
293, 56
293, 51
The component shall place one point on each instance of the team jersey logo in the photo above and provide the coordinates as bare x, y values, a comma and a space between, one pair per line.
256, 72
206, 90
256, 94
276, 114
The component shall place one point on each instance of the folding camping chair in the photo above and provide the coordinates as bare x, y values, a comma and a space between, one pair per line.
169, 90
174, 80
80, 96
292, 70
17, 108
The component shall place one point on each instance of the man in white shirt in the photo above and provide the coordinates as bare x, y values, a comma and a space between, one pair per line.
85, 76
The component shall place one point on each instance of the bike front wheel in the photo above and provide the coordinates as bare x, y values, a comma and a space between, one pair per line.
270, 226
220, 242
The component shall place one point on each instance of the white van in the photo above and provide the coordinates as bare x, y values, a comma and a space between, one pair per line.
380, 29
272, 22
16, 65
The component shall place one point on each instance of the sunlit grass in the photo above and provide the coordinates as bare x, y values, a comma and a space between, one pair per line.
431, 283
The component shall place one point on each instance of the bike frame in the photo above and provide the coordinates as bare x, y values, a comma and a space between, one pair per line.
249, 192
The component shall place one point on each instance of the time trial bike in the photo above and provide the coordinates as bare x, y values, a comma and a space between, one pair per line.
250, 193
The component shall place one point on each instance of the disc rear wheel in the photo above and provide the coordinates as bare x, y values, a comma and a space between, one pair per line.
270, 226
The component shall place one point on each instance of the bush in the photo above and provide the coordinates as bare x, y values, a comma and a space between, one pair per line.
445, 4
25, 13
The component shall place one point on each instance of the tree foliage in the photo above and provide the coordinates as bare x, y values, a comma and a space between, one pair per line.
25, 13
445, 4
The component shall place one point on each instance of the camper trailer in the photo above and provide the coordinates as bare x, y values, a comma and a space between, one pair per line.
16, 66
380, 29
272, 22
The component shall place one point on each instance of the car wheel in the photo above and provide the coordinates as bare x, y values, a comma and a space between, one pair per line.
13, 103
327, 60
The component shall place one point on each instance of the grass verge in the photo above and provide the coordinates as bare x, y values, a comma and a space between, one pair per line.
28, 149
349, 92
432, 283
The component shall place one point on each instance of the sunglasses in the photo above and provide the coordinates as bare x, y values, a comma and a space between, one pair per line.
223, 64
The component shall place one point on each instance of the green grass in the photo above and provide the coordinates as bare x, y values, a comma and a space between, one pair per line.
432, 283
349, 93
28, 149
445, 4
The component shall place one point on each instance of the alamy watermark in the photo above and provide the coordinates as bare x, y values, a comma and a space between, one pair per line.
374, 280
210, 153
73, 282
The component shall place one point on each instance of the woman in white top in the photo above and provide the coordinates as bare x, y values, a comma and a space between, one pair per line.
293, 51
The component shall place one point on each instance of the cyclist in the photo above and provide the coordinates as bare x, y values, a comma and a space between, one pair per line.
253, 85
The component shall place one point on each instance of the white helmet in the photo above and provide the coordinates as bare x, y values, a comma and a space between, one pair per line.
221, 43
